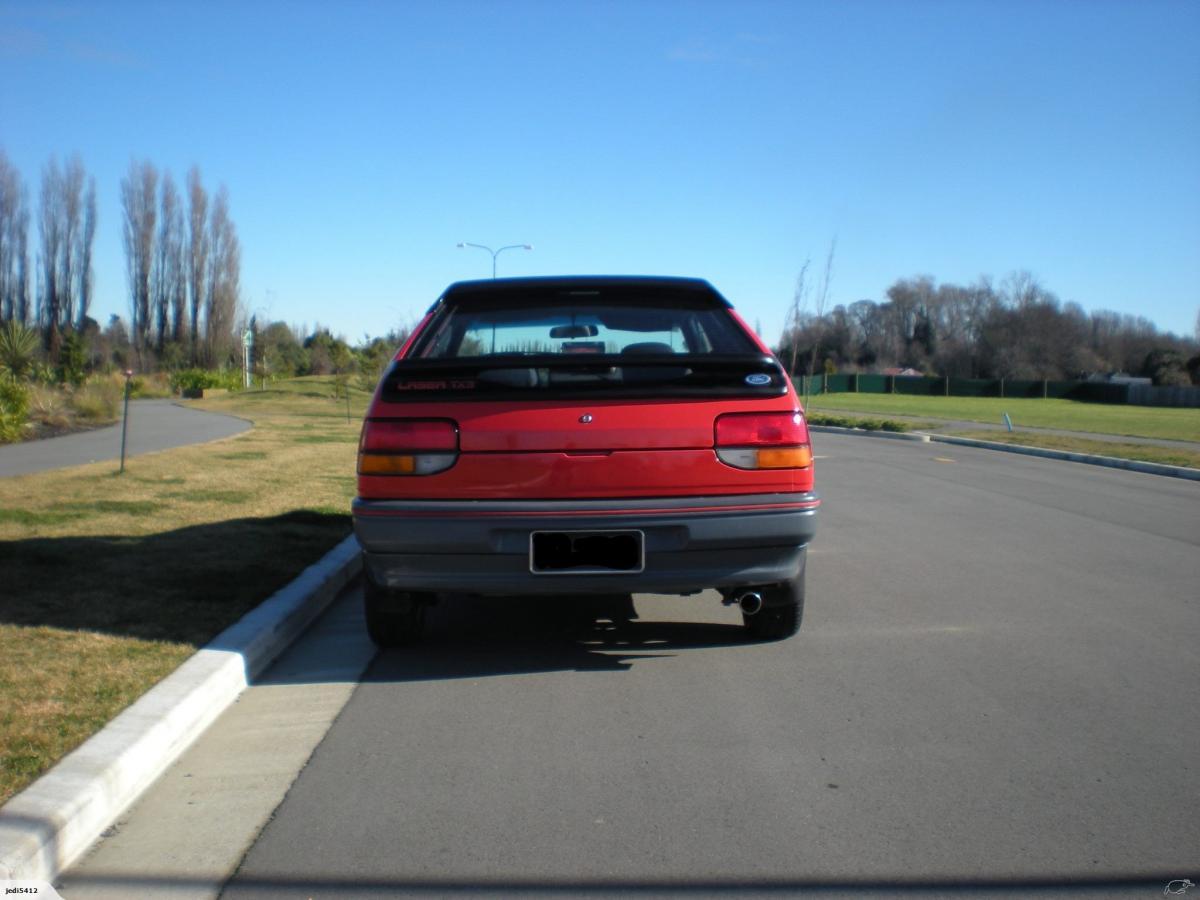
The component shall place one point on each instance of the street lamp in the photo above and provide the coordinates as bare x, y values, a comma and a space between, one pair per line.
496, 253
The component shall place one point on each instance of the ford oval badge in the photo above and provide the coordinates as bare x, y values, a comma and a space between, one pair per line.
758, 378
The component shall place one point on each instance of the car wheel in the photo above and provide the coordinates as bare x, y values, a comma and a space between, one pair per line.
394, 618
783, 608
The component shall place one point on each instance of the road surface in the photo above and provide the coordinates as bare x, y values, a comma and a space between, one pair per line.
994, 690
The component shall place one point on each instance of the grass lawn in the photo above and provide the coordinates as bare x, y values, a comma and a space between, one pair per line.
110, 582
1169, 456
1070, 415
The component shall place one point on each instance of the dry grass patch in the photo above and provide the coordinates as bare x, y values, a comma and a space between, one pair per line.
111, 581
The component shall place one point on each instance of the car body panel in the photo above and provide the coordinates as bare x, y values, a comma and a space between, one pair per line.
540, 455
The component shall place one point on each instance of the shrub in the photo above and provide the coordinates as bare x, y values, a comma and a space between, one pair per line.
18, 349
98, 400
199, 379
42, 373
72, 358
150, 386
14, 408
48, 407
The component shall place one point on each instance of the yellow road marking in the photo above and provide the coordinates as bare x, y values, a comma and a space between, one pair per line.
943, 459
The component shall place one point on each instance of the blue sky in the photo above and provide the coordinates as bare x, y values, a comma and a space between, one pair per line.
361, 142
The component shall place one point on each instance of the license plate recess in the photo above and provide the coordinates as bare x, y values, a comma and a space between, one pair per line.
587, 552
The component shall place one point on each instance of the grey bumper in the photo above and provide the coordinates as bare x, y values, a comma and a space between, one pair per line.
483, 546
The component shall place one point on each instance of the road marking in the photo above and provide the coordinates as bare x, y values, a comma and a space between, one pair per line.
943, 459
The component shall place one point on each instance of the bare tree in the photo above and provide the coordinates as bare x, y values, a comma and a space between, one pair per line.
197, 256
71, 215
68, 228
822, 300
14, 221
88, 238
138, 195
168, 276
796, 316
51, 228
224, 279
22, 299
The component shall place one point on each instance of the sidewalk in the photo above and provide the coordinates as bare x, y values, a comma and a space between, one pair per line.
153, 425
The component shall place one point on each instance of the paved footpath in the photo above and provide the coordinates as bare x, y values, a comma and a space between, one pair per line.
153, 425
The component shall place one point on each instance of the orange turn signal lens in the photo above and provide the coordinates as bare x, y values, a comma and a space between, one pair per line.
372, 464
785, 458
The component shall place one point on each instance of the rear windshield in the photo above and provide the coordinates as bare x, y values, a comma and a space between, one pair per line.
583, 343
634, 326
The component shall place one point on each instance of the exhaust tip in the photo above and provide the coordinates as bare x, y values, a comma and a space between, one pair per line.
750, 602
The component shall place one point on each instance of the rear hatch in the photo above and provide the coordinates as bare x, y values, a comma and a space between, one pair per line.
556, 403
595, 391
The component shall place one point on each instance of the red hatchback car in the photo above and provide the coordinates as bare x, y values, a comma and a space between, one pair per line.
584, 437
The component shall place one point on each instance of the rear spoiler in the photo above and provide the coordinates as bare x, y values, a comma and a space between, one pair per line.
550, 375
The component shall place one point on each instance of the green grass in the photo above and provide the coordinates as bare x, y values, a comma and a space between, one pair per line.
1168, 456
110, 582
816, 418
123, 507
211, 496
326, 438
1069, 415
30, 518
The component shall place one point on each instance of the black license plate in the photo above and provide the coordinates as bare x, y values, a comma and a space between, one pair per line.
586, 552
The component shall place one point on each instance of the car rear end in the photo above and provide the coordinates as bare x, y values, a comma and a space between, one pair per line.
581, 437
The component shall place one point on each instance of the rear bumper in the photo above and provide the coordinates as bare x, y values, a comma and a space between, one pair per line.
482, 547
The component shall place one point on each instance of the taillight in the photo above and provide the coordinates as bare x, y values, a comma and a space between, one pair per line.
763, 441
407, 446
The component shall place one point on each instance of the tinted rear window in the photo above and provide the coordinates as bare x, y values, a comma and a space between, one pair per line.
552, 343
639, 326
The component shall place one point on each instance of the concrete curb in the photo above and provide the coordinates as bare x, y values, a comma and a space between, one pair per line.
889, 435
46, 827
1111, 462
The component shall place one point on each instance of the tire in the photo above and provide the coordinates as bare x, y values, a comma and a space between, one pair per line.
783, 608
394, 618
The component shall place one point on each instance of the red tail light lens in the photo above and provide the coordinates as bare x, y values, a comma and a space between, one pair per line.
407, 446
396, 435
761, 430
763, 441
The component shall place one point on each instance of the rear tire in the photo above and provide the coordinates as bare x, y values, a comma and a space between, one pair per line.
783, 608
394, 618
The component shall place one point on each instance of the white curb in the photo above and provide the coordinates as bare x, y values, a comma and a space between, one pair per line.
46, 827
1111, 462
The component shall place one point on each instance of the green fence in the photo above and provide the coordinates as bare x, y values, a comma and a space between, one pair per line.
1095, 392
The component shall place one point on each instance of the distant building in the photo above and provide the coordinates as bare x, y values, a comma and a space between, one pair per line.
902, 373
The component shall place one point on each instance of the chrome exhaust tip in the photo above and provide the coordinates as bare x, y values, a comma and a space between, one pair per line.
750, 602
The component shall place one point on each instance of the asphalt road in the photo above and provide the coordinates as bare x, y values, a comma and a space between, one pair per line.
995, 689
153, 425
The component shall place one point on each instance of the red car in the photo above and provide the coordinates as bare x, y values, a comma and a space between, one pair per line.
584, 437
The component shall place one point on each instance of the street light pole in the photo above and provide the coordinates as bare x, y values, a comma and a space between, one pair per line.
496, 253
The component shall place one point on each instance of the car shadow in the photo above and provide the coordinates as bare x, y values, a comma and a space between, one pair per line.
474, 637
